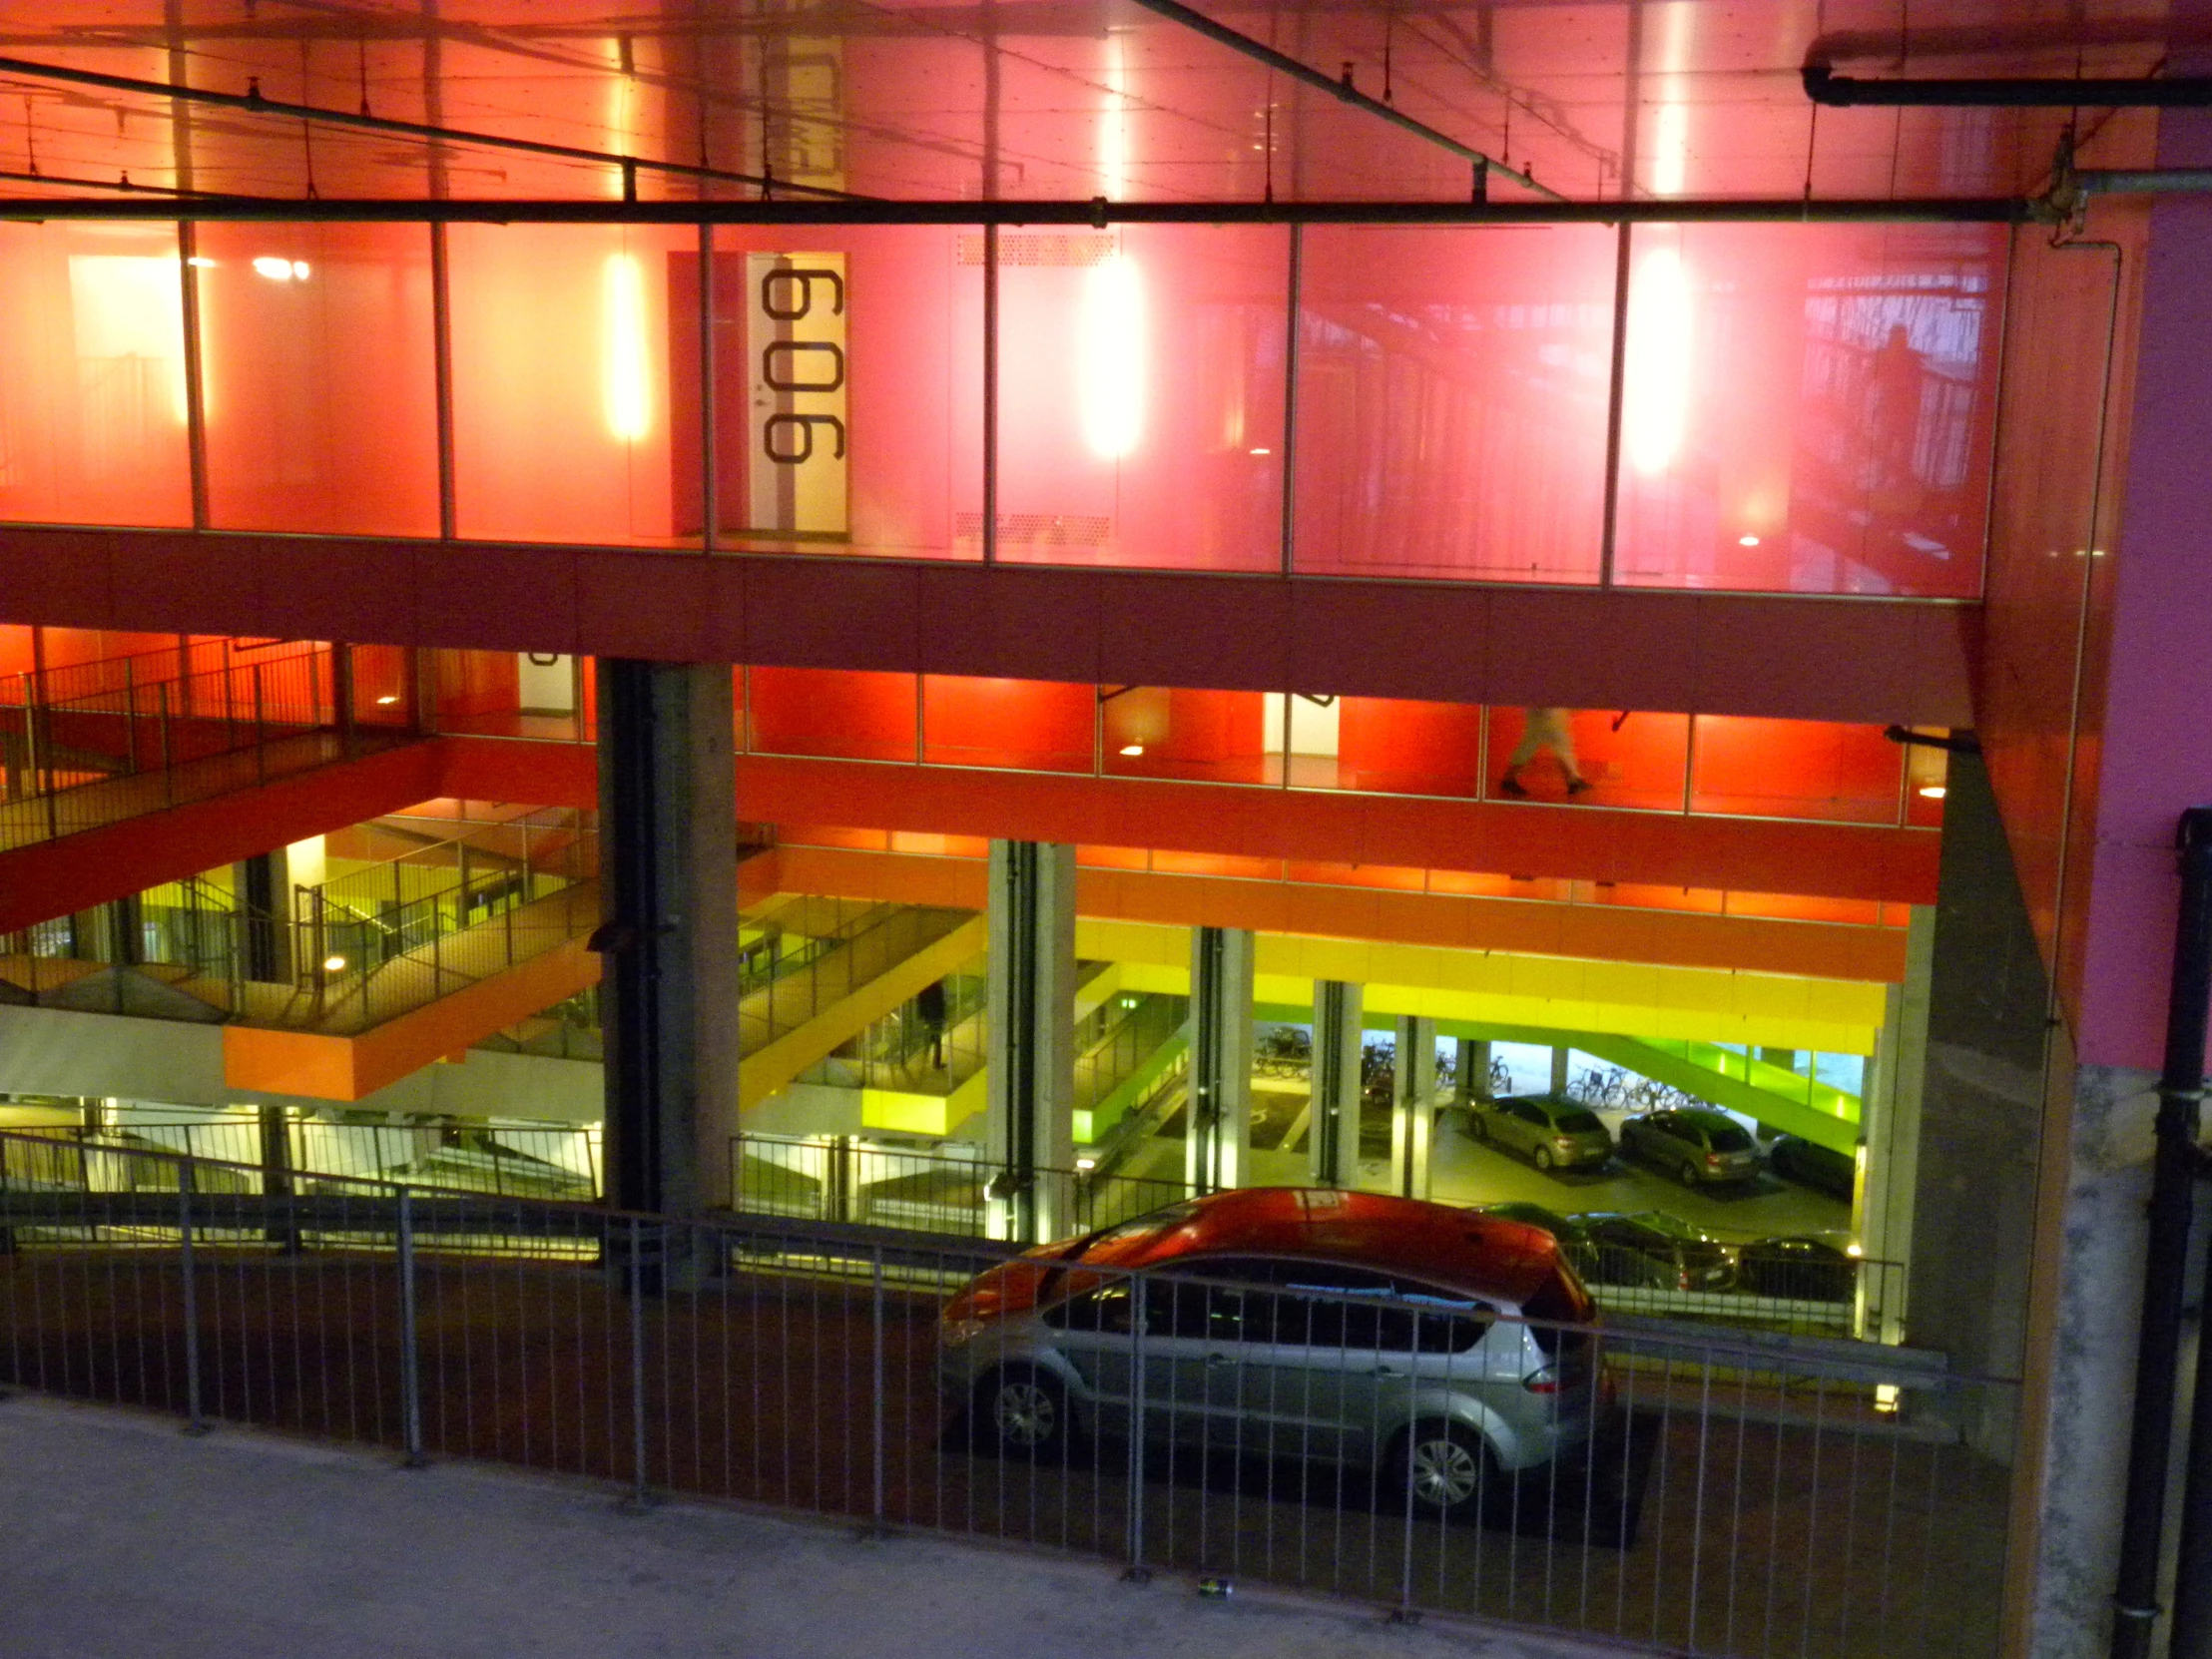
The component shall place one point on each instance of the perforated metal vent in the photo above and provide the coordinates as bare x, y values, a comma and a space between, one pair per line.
1036, 247
1038, 529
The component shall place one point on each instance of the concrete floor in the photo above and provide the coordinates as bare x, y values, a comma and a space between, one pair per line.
124, 1538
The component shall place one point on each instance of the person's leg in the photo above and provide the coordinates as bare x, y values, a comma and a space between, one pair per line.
1532, 738
1562, 745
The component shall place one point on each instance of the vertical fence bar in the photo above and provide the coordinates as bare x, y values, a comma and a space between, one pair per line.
195, 1423
1136, 1573
639, 1495
876, 1392
410, 1358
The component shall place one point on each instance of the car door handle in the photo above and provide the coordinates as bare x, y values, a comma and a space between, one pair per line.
1217, 1360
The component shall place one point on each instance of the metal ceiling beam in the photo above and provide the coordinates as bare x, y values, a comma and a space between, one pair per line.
1097, 214
1261, 52
1824, 86
252, 103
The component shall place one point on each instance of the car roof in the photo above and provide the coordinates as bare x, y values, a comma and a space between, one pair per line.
1706, 1115
1486, 1254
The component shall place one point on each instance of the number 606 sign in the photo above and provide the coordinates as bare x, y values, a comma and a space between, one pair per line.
795, 351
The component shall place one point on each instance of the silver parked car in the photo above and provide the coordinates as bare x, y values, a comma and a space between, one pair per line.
1553, 1133
1696, 1145
1436, 1345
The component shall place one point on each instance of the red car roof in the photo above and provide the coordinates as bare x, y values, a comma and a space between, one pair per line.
1486, 1255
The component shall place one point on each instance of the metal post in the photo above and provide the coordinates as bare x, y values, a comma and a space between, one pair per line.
990, 394
640, 1498
441, 341
1289, 420
341, 696
1136, 1573
169, 773
195, 1423
410, 1359
129, 713
876, 1393
1615, 385
196, 403
260, 745
710, 487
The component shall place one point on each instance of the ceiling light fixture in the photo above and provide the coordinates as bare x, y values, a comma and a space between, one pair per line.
1131, 749
1933, 791
333, 964
386, 700
1746, 541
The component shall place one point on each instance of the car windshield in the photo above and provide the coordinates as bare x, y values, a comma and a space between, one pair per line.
1578, 1123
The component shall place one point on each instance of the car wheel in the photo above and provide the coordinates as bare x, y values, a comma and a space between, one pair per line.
1445, 1467
1543, 1159
1687, 1174
1478, 1126
1026, 1410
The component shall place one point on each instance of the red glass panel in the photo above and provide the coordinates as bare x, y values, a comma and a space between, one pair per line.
1398, 747
1809, 407
1162, 732
1629, 759
836, 712
1033, 725
1141, 384
1796, 768
92, 375
1453, 388
319, 376
560, 382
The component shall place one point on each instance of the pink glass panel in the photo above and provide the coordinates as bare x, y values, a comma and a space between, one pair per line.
1637, 760
561, 383
1033, 725
1451, 399
1802, 769
1141, 386
1809, 407
835, 713
1216, 736
319, 378
902, 307
92, 375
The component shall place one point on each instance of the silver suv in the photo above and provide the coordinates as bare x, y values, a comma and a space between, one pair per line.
1550, 1132
1438, 1347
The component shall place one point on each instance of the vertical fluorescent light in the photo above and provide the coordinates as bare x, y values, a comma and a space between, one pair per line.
1670, 127
1113, 352
1656, 395
622, 338
1113, 125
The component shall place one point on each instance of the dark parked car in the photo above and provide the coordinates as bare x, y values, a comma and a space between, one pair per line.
1696, 1145
1798, 1269
1810, 1164
1550, 1132
1650, 1250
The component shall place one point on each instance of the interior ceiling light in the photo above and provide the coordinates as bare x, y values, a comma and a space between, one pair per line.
1131, 749
200, 262
1746, 541
279, 270
1263, 451
386, 700
1933, 791
333, 964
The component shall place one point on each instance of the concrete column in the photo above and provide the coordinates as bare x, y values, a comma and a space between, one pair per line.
276, 1138
668, 893
1559, 1058
1890, 1135
1471, 1075
1218, 1151
1412, 1106
1029, 1100
1333, 1135
262, 886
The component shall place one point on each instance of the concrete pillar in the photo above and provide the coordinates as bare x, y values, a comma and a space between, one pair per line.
1889, 1136
1218, 1151
1471, 1075
1412, 1106
275, 1149
1559, 1070
1332, 1136
262, 886
668, 895
1029, 1100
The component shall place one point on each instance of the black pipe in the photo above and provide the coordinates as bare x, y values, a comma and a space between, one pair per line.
1096, 214
1824, 86
2165, 1259
2191, 1634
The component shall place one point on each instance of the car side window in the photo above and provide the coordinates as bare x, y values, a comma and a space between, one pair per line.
1234, 1304
1529, 1113
1103, 1310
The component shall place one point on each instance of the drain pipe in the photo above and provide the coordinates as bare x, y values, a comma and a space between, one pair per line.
2173, 1173
2191, 1636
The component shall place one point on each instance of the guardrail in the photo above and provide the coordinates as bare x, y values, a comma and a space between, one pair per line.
1716, 1495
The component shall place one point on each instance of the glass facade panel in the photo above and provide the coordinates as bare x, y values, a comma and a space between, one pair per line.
1796, 768
319, 378
1215, 737
1809, 408
1398, 747
1141, 392
849, 389
93, 413
561, 412
1629, 759
1030, 725
833, 713
1451, 413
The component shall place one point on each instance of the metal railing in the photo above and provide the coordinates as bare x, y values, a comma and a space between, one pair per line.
97, 743
843, 945
1666, 1488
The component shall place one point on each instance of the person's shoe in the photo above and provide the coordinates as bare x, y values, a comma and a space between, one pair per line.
1578, 786
1510, 785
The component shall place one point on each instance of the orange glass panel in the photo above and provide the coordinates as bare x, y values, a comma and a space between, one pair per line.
1141, 386
1398, 747
816, 834
1112, 858
92, 375
1809, 407
1634, 760
319, 378
1803, 768
1452, 409
1162, 732
561, 383
1393, 877
1033, 725
1857, 913
940, 846
840, 714
1167, 863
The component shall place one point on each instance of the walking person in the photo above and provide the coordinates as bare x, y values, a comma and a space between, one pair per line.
1550, 729
930, 1008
